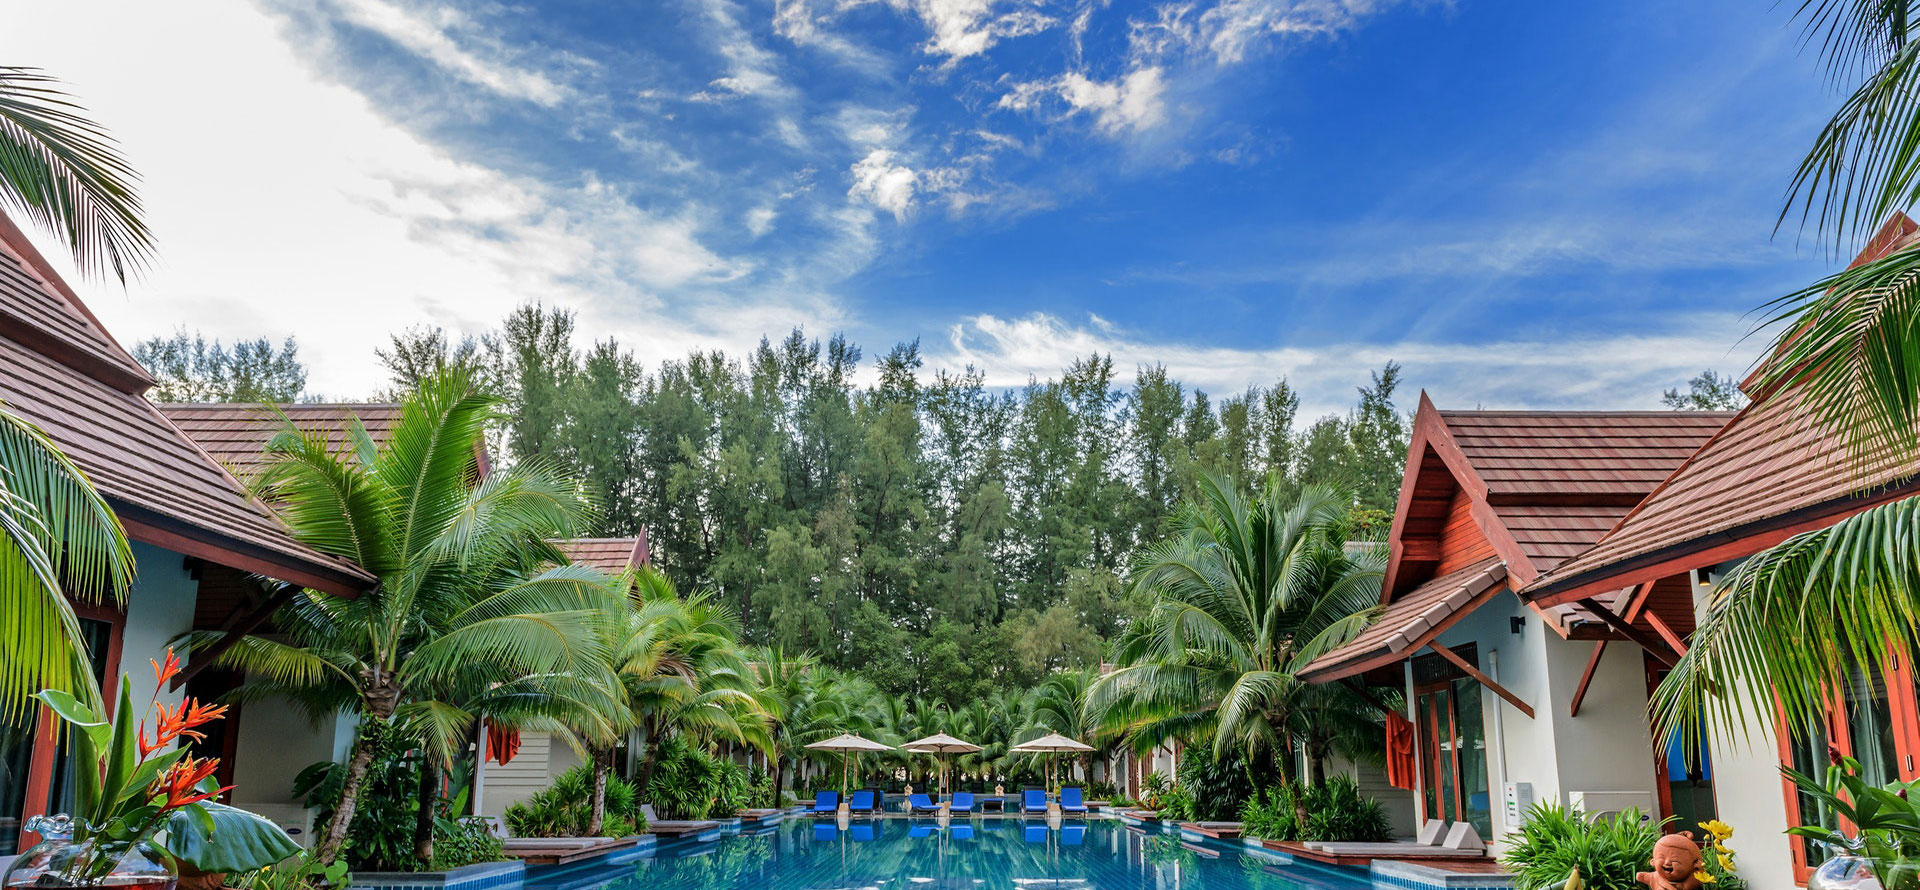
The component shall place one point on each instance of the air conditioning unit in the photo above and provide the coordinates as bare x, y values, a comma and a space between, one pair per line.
294, 819
1601, 803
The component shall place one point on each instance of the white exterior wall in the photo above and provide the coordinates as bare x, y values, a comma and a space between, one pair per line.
1609, 747
159, 608
1401, 807
541, 759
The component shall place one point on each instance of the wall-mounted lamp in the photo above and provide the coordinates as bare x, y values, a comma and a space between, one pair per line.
1517, 624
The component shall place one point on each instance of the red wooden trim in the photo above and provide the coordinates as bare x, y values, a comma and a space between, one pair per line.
1483, 679
1520, 568
235, 634
1586, 677
1425, 418
1660, 627
1662, 786
1709, 550
1653, 645
154, 530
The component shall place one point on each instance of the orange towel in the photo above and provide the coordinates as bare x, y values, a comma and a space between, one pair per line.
1402, 772
502, 744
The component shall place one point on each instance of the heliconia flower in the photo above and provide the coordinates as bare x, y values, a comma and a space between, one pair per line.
178, 723
165, 672
180, 783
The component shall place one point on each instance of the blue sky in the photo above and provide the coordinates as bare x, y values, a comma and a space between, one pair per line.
1527, 203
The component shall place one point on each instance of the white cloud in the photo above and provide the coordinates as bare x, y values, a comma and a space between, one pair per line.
375, 229
879, 181
1231, 30
427, 35
964, 28
759, 220
1621, 371
1131, 104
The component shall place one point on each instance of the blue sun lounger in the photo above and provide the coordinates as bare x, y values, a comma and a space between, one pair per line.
861, 802
920, 803
1071, 802
1033, 800
962, 802
825, 803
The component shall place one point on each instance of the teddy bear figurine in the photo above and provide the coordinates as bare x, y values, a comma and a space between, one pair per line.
1676, 864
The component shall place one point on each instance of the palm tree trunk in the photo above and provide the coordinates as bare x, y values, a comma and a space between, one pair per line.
429, 798
597, 811
779, 780
370, 736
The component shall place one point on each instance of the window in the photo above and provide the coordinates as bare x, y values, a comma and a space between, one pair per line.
1453, 743
1872, 719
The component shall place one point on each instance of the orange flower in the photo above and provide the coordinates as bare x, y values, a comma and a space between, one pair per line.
181, 721
164, 672
180, 783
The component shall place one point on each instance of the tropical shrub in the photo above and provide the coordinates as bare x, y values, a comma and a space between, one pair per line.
1557, 843
760, 794
302, 871
458, 842
1177, 804
382, 838
689, 783
1216, 781
1269, 814
1337, 811
564, 808
1152, 788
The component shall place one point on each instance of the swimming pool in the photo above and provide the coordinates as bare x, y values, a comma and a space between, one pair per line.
978, 854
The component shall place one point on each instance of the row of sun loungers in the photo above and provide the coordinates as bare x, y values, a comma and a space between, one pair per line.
1032, 800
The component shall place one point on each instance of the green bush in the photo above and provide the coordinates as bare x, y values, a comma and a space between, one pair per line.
1218, 787
565, 808
1336, 811
1177, 804
463, 842
1606, 851
1153, 787
760, 790
691, 784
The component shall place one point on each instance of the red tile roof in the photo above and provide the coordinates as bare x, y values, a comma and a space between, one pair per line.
1771, 472
1558, 480
236, 434
60, 370
1411, 621
612, 555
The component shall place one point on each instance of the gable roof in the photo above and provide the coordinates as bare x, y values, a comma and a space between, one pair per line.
1411, 621
61, 370
236, 433
611, 555
1770, 473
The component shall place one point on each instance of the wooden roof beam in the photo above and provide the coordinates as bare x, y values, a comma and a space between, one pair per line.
1483, 679
1653, 644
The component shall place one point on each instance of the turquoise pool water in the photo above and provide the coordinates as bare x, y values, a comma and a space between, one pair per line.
980, 854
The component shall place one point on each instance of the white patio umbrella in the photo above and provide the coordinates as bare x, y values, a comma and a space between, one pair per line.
940, 745
1050, 744
847, 743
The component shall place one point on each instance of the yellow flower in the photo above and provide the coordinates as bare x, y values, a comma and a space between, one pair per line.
1703, 877
1720, 830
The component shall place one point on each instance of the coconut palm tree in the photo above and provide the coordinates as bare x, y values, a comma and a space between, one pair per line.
57, 538
1789, 621
1246, 593
469, 591
680, 662
804, 703
1060, 704
63, 172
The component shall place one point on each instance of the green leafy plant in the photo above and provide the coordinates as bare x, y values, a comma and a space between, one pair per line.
1885, 818
1604, 852
1337, 811
1269, 814
564, 808
689, 783
137, 779
1177, 804
1718, 857
1152, 788
299, 872
1217, 781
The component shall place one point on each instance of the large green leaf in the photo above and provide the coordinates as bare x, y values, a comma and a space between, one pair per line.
240, 841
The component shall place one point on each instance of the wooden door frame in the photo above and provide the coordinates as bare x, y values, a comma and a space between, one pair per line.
46, 734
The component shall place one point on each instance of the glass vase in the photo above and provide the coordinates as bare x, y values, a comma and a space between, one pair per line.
59, 861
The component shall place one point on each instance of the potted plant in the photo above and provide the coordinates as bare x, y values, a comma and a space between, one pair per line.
131, 784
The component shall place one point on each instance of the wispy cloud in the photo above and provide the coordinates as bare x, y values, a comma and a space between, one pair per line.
430, 33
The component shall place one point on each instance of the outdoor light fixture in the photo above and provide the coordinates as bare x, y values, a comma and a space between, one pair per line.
1517, 624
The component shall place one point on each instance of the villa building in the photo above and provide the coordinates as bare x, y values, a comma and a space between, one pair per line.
202, 545
1547, 568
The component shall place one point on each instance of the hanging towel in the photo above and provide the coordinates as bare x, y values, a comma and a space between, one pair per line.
1401, 771
502, 744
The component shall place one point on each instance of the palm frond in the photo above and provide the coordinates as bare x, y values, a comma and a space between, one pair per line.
1790, 624
57, 537
65, 173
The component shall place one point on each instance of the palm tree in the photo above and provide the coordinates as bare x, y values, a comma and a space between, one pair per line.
1247, 593
1060, 704
66, 174
679, 661
1789, 621
462, 600
804, 703
57, 536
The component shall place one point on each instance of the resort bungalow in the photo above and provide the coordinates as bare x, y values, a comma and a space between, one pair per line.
1547, 568
204, 549
516, 764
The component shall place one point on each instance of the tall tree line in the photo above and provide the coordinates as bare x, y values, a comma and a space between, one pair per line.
939, 536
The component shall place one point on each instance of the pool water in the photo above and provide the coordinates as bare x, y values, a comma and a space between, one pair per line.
978, 854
